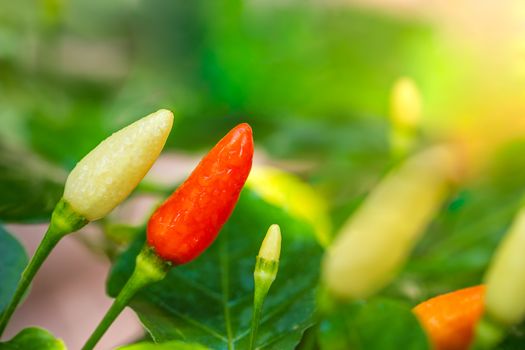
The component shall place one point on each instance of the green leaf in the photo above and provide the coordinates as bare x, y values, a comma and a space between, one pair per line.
210, 299
172, 345
30, 187
13, 260
514, 339
378, 324
33, 338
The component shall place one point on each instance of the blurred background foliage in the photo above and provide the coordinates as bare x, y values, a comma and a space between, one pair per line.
313, 78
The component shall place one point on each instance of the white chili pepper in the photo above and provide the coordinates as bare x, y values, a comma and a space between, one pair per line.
108, 174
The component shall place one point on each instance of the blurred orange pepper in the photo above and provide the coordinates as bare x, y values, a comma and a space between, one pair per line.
450, 319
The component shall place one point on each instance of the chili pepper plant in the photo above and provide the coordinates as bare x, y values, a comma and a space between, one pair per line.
244, 256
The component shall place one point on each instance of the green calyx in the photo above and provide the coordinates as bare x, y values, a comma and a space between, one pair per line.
264, 275
265, 271
65, 219
150, 266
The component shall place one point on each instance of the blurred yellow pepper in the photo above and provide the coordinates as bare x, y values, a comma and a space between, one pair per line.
377, 239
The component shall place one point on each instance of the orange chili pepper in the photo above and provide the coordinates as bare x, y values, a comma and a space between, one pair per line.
450, 319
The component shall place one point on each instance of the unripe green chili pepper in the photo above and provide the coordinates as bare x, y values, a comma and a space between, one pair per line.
377, 239
97, 184
266, 267
190, 219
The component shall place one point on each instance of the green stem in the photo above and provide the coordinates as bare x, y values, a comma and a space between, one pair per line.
264, 275
256, 318
402, 141
489, 334
64, 220
149, 268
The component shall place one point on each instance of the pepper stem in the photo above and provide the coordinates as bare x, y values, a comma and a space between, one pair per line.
64, 220
264, 275
149, 268
489, 333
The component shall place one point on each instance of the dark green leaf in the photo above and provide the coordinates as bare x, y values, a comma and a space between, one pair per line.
13, 260
209, 301
33, 338
378, 324
172, 345
30, 187
515, 339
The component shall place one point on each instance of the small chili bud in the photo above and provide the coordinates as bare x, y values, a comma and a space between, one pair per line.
190, 219
266, 267
108, 174
271, 245
99, 182
378, 238
405, 115
505, 280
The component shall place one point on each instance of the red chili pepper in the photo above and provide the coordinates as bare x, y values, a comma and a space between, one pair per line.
190, 219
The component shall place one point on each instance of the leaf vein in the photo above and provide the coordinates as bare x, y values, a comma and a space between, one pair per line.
185, 318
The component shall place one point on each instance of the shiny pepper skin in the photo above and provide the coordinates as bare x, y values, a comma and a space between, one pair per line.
449, 319
190, 219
